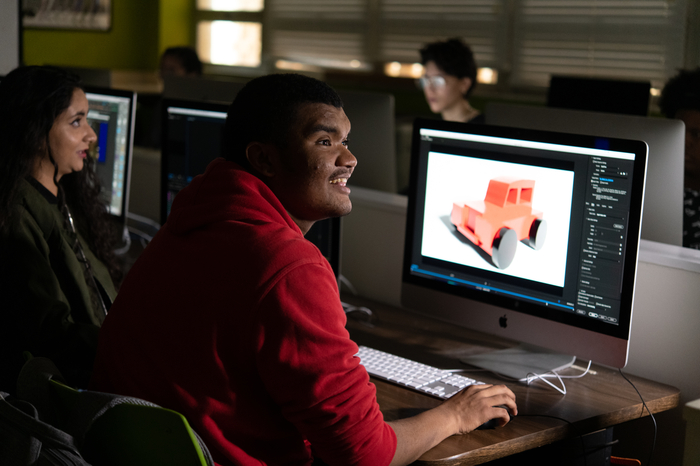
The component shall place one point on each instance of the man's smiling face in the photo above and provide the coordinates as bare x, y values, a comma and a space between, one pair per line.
313, 168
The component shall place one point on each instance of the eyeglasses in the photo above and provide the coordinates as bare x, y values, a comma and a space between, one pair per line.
432, 81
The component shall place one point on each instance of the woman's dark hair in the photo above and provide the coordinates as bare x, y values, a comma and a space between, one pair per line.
266, 108
188, 59
454, 57
681, 92
31, 98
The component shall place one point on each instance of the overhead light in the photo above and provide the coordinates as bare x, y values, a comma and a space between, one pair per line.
487, 76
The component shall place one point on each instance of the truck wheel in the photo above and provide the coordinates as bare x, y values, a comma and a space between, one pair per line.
504, 246
538, 233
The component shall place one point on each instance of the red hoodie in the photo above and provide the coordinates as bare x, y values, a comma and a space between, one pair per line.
233, 319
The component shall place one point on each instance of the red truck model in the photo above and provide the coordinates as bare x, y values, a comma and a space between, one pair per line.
503, 218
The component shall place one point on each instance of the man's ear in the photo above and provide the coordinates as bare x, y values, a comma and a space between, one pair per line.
262, 157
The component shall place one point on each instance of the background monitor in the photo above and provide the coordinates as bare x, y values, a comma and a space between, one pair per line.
527, 235
10, 35
111, 114
192, 135
599, 95
663, 202
372, 139
192, 138
201, 89
99, 77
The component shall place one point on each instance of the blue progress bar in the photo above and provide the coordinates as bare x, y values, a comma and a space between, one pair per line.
415, 268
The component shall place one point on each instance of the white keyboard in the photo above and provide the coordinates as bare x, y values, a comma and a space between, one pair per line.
413, 375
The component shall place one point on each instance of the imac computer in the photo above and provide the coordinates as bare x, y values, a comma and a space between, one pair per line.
663, 203
528, 235
111, 114
372, 138
192, 138
599, 95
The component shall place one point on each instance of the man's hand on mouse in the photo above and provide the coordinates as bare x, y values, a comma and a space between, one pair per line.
478, 404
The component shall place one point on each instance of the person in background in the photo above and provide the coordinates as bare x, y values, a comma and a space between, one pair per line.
680, 99
174, 62
232, 318
180, 61
449, 79
57, 265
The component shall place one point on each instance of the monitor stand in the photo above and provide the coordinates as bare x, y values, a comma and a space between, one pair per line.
520, 361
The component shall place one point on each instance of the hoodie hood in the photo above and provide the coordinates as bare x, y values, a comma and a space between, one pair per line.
211, 196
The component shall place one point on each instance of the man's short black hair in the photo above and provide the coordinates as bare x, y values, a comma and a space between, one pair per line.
681, 92
188, 59
454, 57
266, 109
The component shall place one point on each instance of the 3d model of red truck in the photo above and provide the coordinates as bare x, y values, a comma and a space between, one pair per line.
503, 218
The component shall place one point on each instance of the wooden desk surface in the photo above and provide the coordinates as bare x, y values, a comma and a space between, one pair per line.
599, 400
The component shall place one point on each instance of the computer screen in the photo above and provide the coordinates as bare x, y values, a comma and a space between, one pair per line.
663, 198
192, 135
192, 138
599, 95
527, 235
111, 114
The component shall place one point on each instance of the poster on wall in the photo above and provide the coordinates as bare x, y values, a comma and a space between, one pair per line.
93, 15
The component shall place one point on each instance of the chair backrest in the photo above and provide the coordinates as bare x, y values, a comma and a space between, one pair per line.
111, 430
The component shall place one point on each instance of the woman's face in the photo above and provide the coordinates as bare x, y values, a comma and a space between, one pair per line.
441, 97
71, 135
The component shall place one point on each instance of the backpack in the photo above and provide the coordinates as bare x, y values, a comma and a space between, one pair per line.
48, 423
26, 440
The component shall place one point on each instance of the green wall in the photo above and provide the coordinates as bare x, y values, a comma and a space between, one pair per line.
133, 43
175, 24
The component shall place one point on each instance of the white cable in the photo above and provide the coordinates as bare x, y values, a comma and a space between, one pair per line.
543, 377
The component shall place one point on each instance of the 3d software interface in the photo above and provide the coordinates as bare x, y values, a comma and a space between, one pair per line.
109, 118
575, 201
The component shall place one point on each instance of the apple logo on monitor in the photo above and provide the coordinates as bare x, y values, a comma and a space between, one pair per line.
503, 321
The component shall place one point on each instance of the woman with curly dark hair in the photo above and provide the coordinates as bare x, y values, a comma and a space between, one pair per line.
57, 266
449, 79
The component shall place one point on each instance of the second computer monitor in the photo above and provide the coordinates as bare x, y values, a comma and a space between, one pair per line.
192, 134
111, 114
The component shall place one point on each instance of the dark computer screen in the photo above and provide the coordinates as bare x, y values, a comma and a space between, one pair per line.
192, 134
111, 115
526, 234
192, 138
599, 95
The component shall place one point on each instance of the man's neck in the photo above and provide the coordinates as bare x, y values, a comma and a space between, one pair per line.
304, 225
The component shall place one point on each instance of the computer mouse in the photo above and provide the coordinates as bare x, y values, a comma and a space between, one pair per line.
493, 423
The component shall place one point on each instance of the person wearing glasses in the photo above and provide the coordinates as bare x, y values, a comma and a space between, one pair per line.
57, 265
680, 99
449, 79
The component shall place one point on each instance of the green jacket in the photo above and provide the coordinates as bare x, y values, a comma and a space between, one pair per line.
45, 303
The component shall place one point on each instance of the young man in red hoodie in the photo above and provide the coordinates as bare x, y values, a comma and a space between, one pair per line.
233, 319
